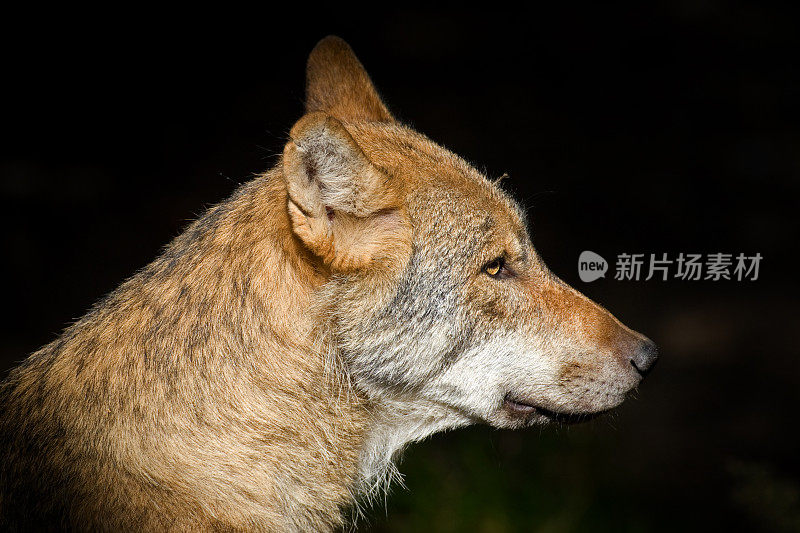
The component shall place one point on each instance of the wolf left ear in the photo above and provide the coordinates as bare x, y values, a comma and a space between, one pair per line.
337, 84
342, 207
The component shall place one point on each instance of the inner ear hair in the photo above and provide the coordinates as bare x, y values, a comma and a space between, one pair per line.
338, 200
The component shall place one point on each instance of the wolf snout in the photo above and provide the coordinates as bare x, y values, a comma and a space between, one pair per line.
644, 357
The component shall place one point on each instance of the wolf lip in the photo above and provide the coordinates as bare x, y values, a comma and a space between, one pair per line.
521, 408
518, 407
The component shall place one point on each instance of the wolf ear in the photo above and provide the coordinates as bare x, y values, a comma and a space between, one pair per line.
337, 84
343, 208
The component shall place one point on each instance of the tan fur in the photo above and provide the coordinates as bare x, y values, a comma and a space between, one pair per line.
251, 422
228, 385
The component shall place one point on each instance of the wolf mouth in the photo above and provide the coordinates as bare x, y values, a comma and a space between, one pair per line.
520, 408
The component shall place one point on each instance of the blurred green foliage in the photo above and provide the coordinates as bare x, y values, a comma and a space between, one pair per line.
484, 480
575, 479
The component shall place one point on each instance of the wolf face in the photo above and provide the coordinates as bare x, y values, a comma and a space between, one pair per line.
475, 320
438, 302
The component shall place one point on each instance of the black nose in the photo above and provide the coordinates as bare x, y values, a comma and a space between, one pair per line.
645, 357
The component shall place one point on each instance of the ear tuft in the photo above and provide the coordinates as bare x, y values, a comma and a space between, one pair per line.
336, 83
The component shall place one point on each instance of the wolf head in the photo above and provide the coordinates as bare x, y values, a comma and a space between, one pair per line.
435, 295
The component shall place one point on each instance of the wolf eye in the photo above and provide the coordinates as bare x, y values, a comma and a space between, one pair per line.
495, 267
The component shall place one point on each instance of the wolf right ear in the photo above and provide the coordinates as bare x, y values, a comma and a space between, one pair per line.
337, 84
342, 207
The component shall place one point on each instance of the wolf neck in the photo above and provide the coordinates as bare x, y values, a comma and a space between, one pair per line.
394, 424
380, 424
289, 387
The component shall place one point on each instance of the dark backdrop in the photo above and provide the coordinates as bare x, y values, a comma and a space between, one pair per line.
669, 128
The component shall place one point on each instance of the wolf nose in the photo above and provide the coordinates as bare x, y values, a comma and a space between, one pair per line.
645, 357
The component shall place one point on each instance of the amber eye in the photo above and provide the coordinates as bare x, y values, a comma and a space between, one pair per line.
494, 267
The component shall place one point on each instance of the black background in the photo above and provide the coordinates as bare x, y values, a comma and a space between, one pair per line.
645, 128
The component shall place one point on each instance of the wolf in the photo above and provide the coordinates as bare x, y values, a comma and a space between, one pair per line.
264, 372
